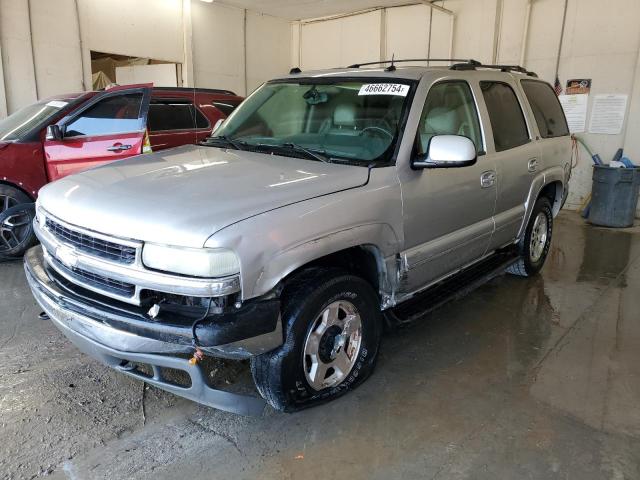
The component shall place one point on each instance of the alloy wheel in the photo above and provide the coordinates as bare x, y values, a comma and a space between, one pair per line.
539, 235
332, 345
14, 230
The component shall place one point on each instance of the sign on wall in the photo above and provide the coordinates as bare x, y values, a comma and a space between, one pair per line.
607, 114
578, 86
575, 109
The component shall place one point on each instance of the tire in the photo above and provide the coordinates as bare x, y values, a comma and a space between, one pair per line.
11, 196
16, 231
291, 377
534, 245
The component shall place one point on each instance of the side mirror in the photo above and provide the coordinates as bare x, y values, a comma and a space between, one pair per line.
54, 132
217, 125
447, 151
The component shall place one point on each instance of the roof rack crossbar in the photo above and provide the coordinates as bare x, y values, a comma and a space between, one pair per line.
382, 62
503, 68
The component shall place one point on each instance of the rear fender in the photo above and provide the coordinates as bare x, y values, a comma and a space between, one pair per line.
551, 175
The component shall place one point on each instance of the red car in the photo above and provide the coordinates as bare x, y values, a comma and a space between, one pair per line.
68, 133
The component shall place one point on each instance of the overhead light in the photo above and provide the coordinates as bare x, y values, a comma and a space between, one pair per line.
207, 1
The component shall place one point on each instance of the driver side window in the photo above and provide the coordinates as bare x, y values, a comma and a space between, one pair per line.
449, 110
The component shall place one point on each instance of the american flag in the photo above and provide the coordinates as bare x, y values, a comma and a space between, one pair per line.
557, 86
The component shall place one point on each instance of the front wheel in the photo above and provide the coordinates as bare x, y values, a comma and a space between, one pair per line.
16, 230
534, 246
332, 326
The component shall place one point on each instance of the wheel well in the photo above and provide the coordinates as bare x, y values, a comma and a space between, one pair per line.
17, 187
365, 261
553, 191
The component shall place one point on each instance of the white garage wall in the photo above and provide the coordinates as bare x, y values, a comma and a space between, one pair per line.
268, 44
17, 62
218, 46
402, 21
370, 36
340, 42
207, 38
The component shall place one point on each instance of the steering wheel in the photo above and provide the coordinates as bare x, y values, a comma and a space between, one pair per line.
377, 129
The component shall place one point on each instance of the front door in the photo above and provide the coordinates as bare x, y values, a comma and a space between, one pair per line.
110, 127
448, 213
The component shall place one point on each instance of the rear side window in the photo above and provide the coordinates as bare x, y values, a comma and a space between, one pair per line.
225, 107
114, 114
174, 115
546, 108
507, 120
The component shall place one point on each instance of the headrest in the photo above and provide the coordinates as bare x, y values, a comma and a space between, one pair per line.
441, 121
345, 115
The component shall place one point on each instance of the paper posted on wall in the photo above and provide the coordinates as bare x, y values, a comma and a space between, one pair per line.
575, 109
607, 114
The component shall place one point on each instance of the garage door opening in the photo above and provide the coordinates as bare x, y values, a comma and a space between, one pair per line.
111, 68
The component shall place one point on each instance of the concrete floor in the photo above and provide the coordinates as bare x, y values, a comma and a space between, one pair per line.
523, 378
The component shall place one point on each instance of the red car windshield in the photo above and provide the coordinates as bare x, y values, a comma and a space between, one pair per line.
20, 123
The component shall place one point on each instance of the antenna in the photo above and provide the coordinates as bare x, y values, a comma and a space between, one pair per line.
392, 67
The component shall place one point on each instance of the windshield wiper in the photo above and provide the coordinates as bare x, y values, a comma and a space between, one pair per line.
226, 141
315, 155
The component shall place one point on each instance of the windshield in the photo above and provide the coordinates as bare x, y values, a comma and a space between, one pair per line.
349, 121
19, 123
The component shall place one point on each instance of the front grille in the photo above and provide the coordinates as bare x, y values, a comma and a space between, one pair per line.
94, 280
92, 245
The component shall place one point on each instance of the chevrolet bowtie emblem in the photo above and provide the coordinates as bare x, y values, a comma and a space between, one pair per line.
66, 256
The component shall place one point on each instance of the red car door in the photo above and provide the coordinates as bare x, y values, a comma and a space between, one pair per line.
111, 126
176, 121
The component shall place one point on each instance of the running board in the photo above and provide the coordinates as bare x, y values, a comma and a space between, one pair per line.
451, 288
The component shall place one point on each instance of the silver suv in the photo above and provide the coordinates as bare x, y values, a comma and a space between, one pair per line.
328, 205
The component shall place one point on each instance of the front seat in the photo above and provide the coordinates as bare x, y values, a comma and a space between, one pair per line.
344, 120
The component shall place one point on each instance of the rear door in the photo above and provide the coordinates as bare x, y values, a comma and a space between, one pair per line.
516, 153
175, 122
111, 126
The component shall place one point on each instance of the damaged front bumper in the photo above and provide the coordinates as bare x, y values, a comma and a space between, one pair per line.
121, 339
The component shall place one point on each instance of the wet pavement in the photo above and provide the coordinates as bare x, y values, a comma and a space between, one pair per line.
523, 378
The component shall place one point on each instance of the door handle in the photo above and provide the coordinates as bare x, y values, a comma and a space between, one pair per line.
488, 179
532, 165
119, 148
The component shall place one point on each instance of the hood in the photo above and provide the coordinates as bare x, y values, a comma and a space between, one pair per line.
184, 195
3, 145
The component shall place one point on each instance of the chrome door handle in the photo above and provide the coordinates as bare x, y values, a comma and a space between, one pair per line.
488, 179
119, 148
532, 165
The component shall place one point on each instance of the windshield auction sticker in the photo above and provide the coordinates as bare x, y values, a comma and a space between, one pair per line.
384, 89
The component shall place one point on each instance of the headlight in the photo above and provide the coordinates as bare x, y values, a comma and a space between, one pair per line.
196, 262
39, 214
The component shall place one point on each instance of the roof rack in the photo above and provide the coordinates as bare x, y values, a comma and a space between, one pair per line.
457, 64
198, 89
502, 68
405, 60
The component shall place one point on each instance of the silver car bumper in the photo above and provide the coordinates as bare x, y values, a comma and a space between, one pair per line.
117, 348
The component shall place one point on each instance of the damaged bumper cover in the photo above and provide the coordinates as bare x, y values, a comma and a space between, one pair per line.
117, 338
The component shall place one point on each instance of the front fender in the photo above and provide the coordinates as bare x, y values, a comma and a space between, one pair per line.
272, 245
377, 238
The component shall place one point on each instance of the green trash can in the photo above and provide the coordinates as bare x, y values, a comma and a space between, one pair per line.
614, 196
